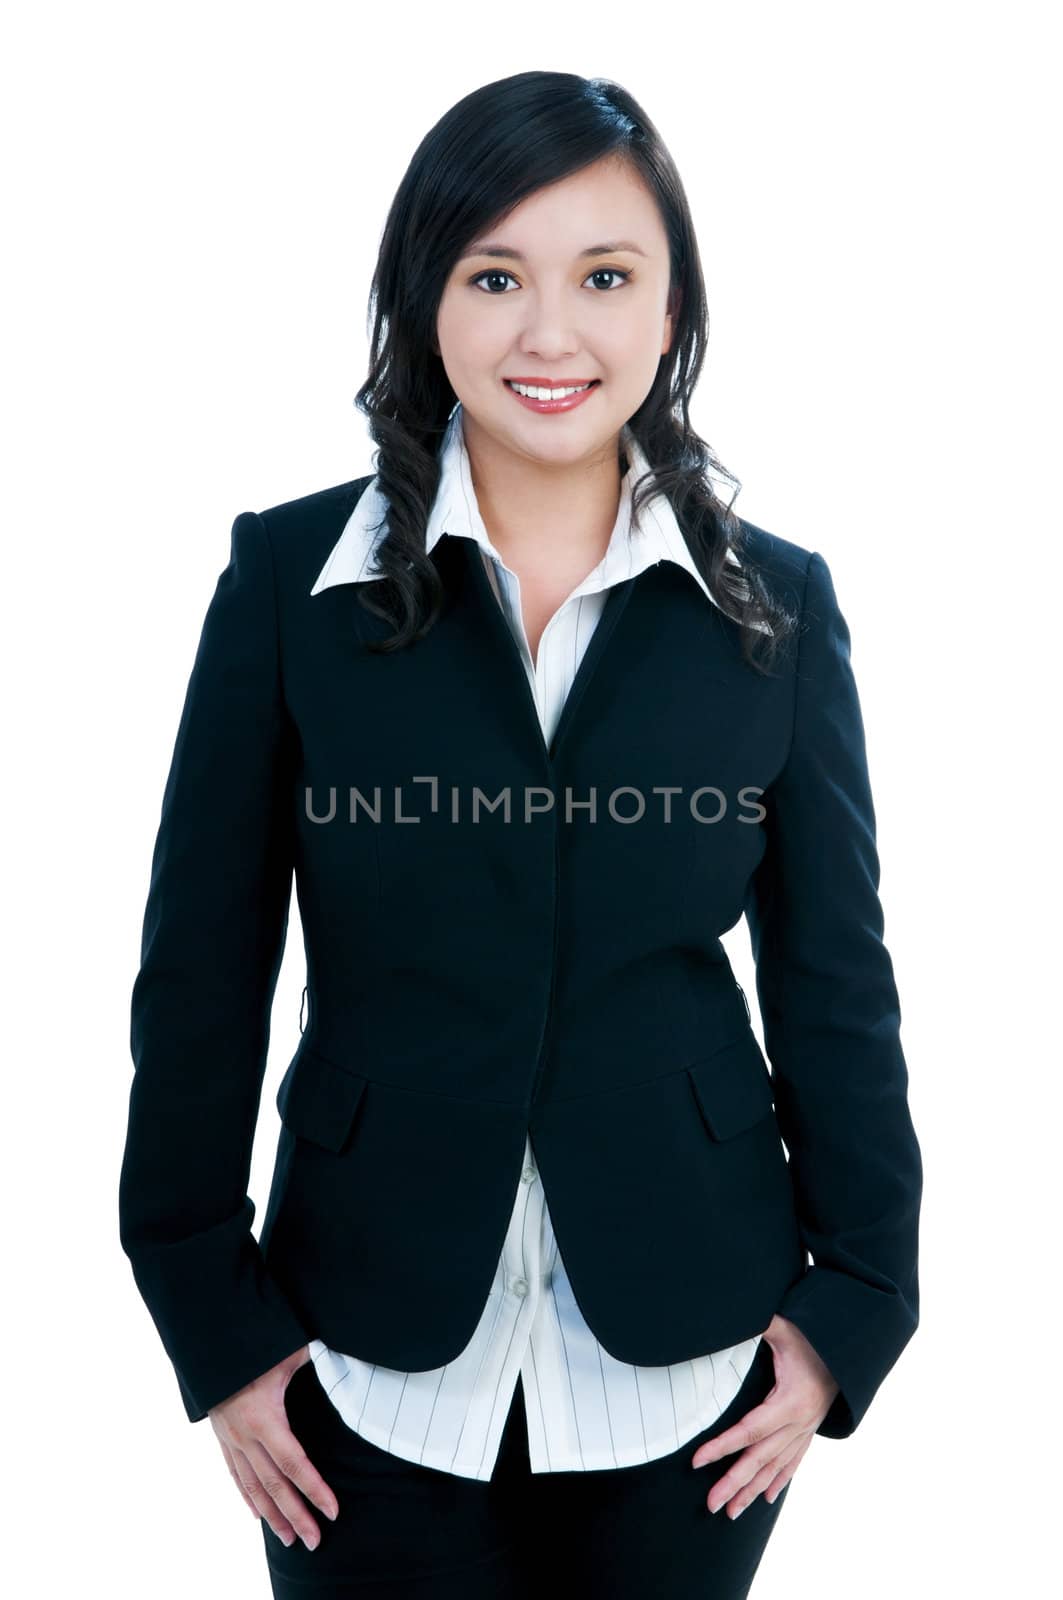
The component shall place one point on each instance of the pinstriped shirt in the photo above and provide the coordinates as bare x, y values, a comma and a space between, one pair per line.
585, 1409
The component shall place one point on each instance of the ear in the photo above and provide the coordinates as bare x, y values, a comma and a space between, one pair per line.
674, 302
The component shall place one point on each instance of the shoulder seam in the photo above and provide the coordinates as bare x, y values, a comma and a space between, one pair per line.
803, 629
272, 565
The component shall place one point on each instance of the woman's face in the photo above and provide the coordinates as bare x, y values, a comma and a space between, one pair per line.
528, 300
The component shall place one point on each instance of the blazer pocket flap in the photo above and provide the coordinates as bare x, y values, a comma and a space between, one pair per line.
318, 1100
732, 1087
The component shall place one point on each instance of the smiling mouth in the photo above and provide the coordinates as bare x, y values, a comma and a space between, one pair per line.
552, 389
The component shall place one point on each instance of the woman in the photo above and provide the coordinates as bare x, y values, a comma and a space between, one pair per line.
532, 717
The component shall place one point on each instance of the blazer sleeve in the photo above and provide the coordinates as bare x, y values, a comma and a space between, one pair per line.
831, 1019
213, 936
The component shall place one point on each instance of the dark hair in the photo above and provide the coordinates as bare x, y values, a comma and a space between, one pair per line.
491, 150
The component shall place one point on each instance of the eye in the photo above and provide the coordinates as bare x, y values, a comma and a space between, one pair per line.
599, 272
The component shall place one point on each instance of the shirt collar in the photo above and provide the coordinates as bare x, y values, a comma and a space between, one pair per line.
632, 547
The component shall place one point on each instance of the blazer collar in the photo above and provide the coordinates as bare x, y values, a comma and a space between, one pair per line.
632, 547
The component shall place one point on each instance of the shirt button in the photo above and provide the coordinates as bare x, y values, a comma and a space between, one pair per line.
529, 1175
520, 1287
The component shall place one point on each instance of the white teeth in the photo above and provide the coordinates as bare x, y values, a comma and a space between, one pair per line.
545, 394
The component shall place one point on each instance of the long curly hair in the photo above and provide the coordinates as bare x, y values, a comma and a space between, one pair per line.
491, 150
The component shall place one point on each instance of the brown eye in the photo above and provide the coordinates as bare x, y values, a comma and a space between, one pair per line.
610, 272
495, 273
599, 272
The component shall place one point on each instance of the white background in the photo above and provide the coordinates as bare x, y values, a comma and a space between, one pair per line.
194, 196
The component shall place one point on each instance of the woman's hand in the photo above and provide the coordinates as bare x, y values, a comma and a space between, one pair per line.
266, 1460
778, 1431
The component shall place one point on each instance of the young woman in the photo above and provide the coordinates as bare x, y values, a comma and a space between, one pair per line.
532, 718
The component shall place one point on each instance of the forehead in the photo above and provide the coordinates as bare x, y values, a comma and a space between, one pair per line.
498, 247
603, 209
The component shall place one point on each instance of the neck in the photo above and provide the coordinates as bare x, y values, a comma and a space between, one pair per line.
541, 516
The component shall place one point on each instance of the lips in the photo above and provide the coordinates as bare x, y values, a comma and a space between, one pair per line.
552, 383
565, 402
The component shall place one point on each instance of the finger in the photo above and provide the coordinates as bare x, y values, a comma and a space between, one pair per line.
261, 1500
748, 1466
230, 1463
778, 1484
286, 1474
745, 1496
286, 1450
285, 1501
772, 1476
769, 1417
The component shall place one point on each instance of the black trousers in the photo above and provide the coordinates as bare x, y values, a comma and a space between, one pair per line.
409, 1532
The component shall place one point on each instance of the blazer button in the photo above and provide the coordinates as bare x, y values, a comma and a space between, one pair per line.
520, 1287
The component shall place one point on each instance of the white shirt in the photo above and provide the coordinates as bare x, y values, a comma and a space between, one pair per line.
585, 1409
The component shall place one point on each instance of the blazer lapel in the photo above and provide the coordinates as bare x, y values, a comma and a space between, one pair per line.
502, 644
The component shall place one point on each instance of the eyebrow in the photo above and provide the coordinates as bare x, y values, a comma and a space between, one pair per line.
517, 255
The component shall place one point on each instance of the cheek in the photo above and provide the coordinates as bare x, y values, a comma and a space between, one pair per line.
469, 340
646, 351
630, 353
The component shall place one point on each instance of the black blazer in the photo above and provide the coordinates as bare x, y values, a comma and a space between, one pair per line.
473, 980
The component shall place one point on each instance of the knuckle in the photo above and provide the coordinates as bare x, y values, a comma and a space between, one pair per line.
243, 1490
290, 1462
